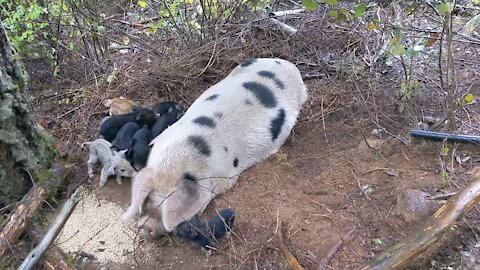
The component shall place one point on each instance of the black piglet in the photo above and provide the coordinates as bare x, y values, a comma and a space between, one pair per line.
137, 153
164, 121
203, 233
166, 107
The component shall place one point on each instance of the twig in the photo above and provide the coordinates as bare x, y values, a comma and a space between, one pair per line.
292, 261
38, 251
286, 12
326, 260
442, 196
284, 27
72, 110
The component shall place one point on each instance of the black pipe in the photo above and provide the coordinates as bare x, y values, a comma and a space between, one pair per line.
440, 136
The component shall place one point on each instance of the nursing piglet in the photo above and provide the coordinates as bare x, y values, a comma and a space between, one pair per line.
124, 136
110, 127
138, 149
233, 125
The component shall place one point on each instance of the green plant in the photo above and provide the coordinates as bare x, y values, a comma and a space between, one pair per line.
27, 24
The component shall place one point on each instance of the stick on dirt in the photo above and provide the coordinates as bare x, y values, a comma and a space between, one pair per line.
431, 234
292, 261
54, 258
326, 260
38, 251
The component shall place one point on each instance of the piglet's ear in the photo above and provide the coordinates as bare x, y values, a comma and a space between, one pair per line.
184, 203
122, 153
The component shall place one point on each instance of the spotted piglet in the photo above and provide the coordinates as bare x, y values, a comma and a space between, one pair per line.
234, 124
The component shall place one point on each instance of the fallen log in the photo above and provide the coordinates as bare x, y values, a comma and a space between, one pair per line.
26, 210
431, 234
20, 219
33, 257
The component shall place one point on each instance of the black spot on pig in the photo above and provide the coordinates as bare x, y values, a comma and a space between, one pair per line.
278, 62
248, 102
235, 162
124, 135
263, 94
212, 97
271, 75
188, 176
218, 115
225, 148
166, 107
248, 62
205, 121
266, 74
201, 145
277, 123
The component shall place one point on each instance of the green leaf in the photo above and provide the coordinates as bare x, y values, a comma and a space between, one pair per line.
331, 2
310, 4
445, 7
142, 4
398, 50
359, 10
332, 13
468, 98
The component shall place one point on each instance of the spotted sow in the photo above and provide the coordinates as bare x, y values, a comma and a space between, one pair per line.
234, 124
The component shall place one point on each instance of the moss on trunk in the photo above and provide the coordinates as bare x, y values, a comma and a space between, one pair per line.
25, 148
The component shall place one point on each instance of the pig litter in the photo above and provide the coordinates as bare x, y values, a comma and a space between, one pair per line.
95, 228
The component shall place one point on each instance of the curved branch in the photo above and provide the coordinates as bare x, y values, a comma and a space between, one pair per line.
428, 237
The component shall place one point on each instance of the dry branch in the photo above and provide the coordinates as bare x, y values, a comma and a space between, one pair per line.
326, 260
284, 27
38, 251
54, 258
20, 219
292, 261
429, 236
286, 12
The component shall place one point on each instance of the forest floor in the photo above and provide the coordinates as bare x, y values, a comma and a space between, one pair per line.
337, 172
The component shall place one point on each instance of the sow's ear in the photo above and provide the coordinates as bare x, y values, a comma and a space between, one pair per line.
184, 203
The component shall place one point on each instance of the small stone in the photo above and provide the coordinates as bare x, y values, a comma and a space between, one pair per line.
413, 205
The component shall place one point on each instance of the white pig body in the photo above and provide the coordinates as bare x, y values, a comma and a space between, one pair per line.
233, 125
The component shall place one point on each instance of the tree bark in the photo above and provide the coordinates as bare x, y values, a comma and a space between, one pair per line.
26, 150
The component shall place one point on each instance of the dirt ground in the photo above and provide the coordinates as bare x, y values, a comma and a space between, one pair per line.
324, 182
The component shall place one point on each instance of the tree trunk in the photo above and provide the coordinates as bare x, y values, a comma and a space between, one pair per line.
26, 150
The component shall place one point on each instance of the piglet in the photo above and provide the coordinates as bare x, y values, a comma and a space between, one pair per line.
124, 135
138, 150
201, 233
120, 105
166, 120
110, 127
166, 107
